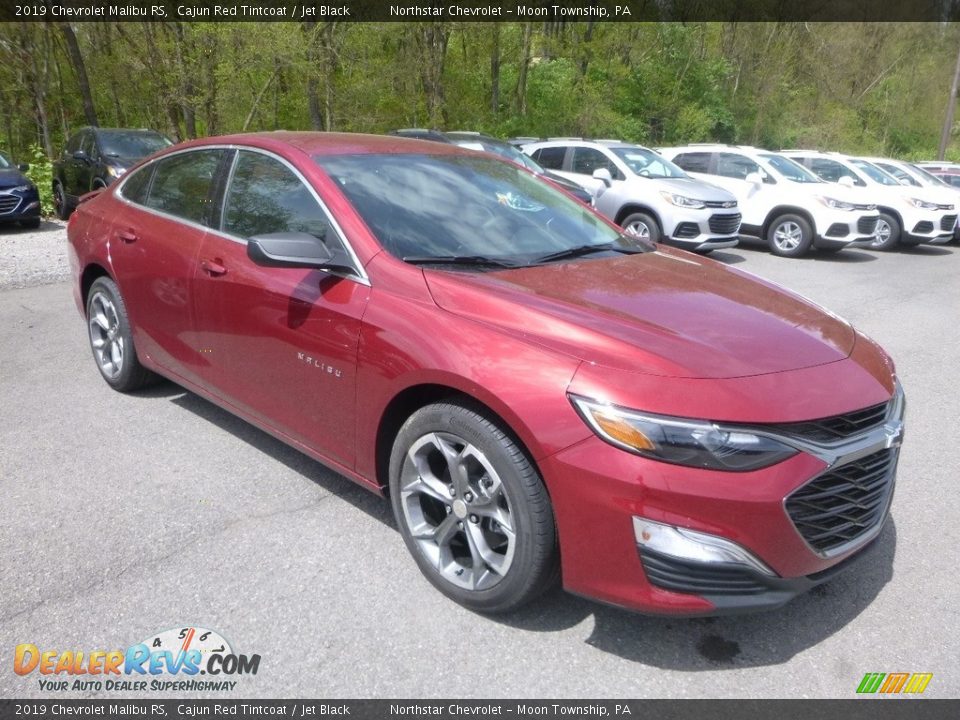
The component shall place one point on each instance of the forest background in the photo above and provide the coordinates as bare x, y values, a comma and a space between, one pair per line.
874, 88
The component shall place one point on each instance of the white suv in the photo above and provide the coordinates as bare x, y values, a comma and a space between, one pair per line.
908, 215
644, 193
782, 202
915, 176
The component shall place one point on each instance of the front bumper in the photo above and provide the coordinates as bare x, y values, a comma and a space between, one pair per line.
934, 227
838, 228
599, 490
700, 230
23, 205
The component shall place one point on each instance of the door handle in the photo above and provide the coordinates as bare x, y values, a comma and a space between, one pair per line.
213, 267
127, 236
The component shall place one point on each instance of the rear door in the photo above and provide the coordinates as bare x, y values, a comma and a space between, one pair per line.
154, 244
280, 344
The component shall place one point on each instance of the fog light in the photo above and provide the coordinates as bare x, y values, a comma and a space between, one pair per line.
692, 545
32, 205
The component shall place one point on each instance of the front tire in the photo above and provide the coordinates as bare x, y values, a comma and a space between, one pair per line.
472, 509
888, 233
641, 225
111, 338
60, 205
790, 236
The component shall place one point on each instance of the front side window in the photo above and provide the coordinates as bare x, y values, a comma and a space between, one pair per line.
587, 160
789, 169
265, 196
183, 184
832, 171
89, 145
902, 175
646, 163
74, 143
732, 165
436, 207
873, 172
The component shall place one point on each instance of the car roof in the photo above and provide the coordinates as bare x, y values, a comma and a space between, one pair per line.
330, 143
581, 142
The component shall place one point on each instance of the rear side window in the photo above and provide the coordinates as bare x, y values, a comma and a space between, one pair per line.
698, 162
182, 185
136, 185
586, 160
265, 196
550, 157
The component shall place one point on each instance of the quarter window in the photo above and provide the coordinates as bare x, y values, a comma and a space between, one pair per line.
135, 187
265, 196
182, 185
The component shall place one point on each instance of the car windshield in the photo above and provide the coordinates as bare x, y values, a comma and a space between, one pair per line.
431, 207
130, 144
931, 179
646, 163
873, 172
789, 169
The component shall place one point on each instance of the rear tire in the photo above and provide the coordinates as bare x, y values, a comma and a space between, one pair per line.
790, 236
111, 338
472, 509
887, 234
60, 205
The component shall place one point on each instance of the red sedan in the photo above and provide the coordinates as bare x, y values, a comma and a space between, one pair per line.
540, 395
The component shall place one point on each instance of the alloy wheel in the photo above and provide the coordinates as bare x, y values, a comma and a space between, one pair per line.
105, 335
638, 229
788, 236
457, 510
881, 235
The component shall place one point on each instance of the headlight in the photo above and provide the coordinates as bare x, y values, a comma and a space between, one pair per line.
695, 443
922, 204
115, 171
21, 188
834, 203
681, 201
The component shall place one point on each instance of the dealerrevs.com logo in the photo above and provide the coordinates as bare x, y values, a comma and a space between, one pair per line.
168, 661
894, 683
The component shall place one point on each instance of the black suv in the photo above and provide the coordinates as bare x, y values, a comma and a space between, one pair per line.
486, 143
94, 157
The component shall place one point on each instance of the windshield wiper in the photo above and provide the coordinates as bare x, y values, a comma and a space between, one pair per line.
476, 260
582, 250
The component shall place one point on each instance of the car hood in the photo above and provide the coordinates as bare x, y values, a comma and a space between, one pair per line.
122, 161
688, 187
11, 177
664, 313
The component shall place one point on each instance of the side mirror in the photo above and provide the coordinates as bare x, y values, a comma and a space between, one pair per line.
293, 250
604, 176
846, 181
80, 155
754, 179
905, 181
23, 167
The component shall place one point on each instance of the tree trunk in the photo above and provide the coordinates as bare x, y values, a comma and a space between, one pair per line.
495, 71
524, 64
80, 70
432, 38
951, 106
185, 82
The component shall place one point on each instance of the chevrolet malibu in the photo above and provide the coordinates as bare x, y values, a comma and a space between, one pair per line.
543, 398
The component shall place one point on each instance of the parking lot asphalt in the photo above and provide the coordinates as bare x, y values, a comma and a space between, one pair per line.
126, 515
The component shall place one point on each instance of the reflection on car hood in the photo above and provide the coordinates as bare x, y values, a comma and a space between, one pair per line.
688, 187
662, 313
11, 177
563, 182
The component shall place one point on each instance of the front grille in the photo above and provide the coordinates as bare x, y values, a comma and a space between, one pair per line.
947, 222
838, 230
8, 203
725, 224
923, 227
867, 225
684, 576
719, 203
944, 207
686, 230
845, 503
837, 427
857, 206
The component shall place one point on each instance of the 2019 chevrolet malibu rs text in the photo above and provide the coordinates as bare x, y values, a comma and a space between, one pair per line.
543, 398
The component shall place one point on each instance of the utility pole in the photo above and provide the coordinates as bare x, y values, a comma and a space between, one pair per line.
948, 121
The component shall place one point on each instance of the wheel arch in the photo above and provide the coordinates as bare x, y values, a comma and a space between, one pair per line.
89, 275
781, 210
894, 213
406, 402
633, 207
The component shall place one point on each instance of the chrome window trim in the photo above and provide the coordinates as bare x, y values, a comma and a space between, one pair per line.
361, 276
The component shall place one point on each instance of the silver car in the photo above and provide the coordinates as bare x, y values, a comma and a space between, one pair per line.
645, 193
